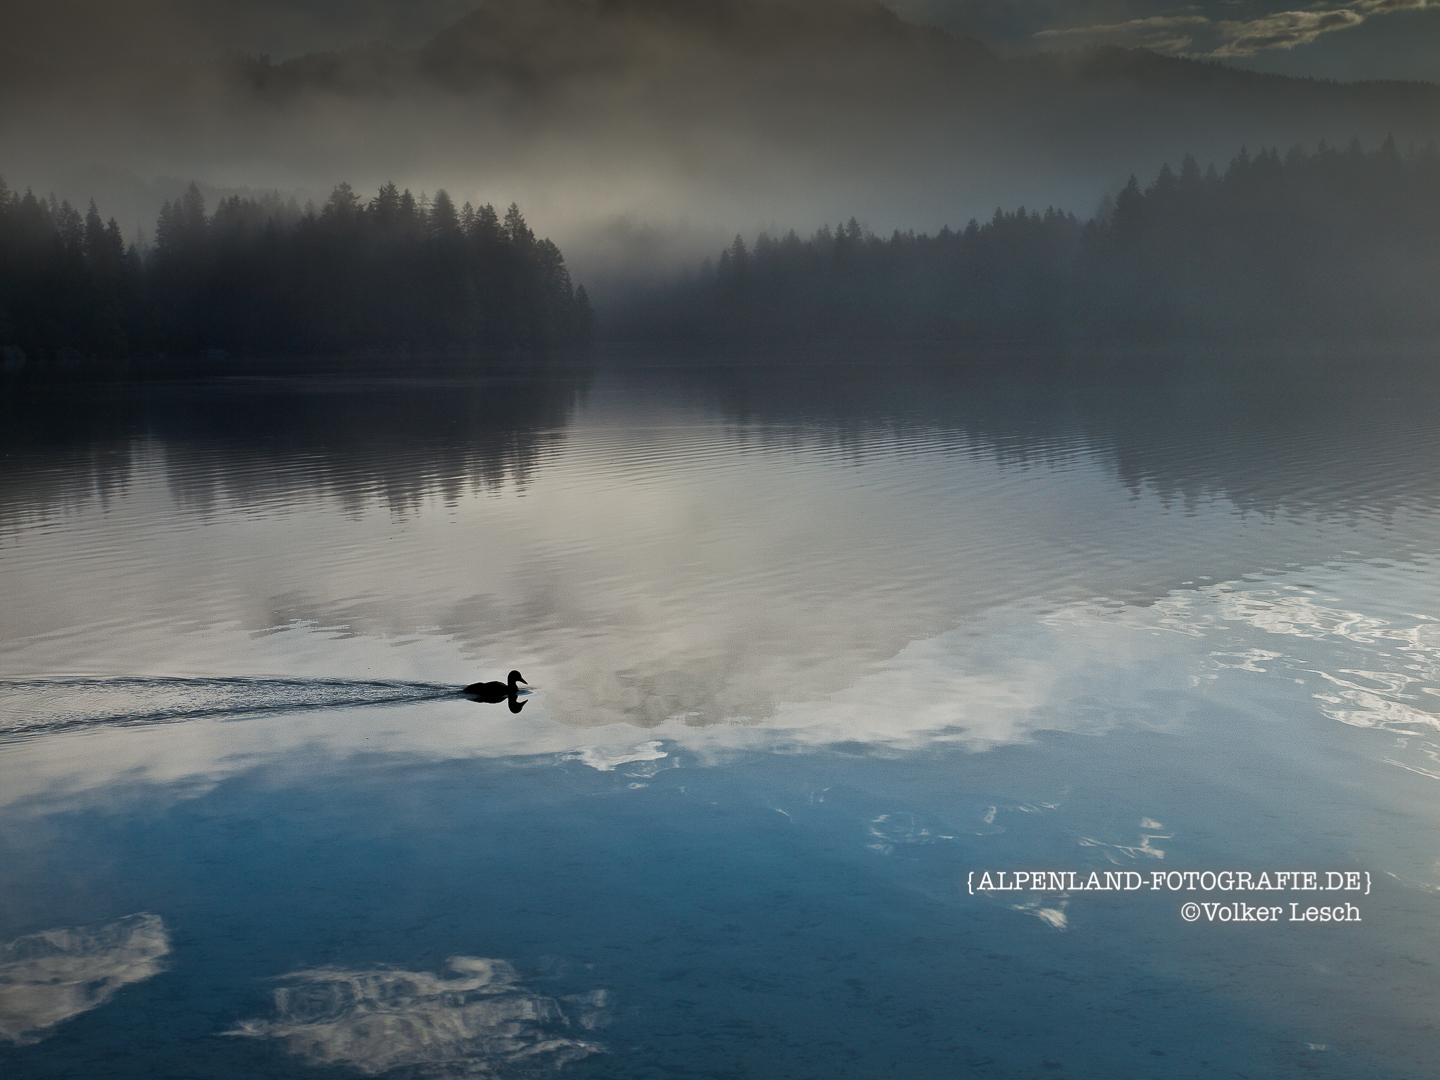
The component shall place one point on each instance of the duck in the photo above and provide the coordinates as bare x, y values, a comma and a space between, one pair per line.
496, 691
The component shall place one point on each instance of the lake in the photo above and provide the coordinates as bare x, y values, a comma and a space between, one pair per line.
892, 714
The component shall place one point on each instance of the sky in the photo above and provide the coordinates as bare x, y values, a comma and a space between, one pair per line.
1338, 39
1359, 39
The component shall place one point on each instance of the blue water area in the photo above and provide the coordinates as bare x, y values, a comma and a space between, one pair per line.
815, 663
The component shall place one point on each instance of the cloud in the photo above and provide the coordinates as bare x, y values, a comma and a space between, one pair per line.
1282, 30
381, 1019
1163, 33
49, 977
1202, 37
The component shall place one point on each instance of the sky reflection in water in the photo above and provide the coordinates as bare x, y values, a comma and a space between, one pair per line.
808, 654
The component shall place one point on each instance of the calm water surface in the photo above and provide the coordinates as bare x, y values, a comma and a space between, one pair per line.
813, 651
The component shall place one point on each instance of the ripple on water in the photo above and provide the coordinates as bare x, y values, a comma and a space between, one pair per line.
41, 706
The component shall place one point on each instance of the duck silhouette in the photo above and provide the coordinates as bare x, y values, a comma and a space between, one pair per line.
494, 692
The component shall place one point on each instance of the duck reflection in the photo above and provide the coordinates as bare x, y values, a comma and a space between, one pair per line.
494, 692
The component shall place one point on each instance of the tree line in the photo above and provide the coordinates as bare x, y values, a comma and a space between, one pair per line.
261, 275
1300, 245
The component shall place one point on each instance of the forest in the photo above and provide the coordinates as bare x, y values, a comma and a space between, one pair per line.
1295, 246
263, 276
1300, 246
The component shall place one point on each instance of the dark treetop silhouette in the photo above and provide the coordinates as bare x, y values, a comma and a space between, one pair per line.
1335, 242
263, 276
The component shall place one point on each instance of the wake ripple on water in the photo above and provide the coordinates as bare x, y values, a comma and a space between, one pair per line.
41, 706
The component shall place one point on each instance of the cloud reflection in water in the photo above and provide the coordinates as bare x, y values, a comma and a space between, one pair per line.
51, 976
472, 1024
1347, 643
1398, 649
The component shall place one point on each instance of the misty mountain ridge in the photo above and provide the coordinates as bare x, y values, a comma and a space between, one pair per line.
747, 67
538, 47
536, 39
535, 43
